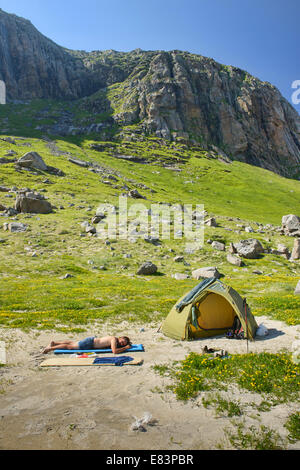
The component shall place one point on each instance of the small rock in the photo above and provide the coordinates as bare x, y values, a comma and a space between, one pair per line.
211, 222
90, 229
218, 246
15, 227
180, 276
235, 260
153, 240
179, 259
231, 248
297, 290
296, 250
66, 276
135, 194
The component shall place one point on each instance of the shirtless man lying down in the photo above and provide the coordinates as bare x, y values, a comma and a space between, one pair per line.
117, 345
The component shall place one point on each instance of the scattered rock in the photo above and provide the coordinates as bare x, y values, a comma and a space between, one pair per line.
231, 248
32, 160
100, 213
296, 250
153, 240
4, 160
90, 229
281, 250
291, 224
78, 162
31, 202
218, 246
66, 276
10, 153
96, 219
4, 189
235, 260
179, 259
147, 268
10, 212
211, 222
250, 248
15, 227
210, 271
180, 276
297, 290
9, 139
135, 194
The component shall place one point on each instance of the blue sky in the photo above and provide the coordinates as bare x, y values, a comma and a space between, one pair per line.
260, 36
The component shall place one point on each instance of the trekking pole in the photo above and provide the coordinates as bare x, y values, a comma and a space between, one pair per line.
246, 318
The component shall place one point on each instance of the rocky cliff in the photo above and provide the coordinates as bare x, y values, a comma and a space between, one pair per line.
170, 94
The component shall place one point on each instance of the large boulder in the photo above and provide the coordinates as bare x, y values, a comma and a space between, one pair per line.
290, 224
250, 248
32, 160
31, 202
147, 268
210, 271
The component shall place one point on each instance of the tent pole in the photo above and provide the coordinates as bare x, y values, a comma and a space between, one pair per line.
246, 318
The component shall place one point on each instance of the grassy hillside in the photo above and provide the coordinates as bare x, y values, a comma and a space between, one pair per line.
104, 284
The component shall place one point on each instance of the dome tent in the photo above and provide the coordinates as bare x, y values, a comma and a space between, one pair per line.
209, 309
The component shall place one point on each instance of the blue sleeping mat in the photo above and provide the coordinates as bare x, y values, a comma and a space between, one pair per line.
134, 348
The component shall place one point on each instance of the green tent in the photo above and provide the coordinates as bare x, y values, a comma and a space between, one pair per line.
207, 310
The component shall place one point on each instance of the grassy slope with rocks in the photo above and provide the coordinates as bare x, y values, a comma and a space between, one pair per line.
104, 285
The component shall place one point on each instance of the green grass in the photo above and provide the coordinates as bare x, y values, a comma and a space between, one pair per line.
222, 406
255, 438
273, 375
293, 427
31, 293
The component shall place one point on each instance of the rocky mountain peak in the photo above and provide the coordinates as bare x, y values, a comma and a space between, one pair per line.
172, 94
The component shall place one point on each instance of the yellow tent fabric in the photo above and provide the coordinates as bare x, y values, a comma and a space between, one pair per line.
209, 313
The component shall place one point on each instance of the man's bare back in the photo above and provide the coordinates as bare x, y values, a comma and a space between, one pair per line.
103, 343
117, 345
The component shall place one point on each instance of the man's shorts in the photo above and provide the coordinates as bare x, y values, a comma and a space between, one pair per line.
87, 343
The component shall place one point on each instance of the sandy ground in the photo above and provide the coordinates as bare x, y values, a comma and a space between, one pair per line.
93, 408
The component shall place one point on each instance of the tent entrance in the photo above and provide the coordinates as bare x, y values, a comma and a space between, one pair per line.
214, 312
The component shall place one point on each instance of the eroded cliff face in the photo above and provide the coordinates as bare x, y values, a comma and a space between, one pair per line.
195, 97
171, 94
